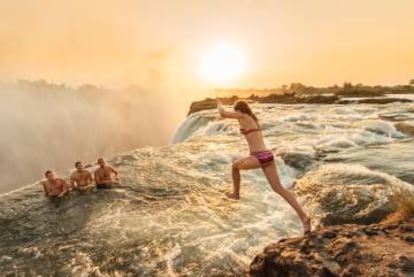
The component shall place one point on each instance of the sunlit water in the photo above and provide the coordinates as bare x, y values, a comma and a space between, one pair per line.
170, 217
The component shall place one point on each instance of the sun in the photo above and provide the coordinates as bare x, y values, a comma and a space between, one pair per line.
223, 64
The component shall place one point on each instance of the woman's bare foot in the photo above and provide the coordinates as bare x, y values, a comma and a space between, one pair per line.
233, 195
306, 225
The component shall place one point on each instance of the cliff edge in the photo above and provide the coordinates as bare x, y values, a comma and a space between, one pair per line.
342, 250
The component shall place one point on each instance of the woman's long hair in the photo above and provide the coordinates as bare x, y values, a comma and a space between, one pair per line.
243, 107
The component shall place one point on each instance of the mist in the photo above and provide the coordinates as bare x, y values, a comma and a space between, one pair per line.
47, 126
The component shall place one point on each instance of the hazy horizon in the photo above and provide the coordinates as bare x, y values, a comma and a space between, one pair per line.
159, 43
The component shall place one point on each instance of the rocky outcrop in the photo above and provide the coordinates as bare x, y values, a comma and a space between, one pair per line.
360, 232
298, 99
383, 100
298, 159
359, 93
317, 99
346, 250
373, 101
292, 98
208, 104
277, 98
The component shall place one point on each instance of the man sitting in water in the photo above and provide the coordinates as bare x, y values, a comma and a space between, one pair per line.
104, 175
81, 178
54, 186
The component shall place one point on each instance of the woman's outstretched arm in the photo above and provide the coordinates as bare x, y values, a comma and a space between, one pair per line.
226, 114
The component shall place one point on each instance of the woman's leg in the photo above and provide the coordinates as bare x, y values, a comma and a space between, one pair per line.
242, 164
272, 177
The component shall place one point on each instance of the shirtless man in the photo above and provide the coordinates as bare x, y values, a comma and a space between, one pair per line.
104, 175
54, 186
81, 178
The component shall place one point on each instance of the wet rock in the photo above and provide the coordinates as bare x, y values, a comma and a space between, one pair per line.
292, 98
391, 227
344, 195
299, 160
329, 234
208, 104
409, 228
407, 263
373, 101
317, 99
278, 98
405, 127
372, 232
361, 255
407, 238
359, 93
382, 100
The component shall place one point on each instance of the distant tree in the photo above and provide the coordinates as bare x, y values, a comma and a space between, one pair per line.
347, 86
92, 88
412, 82
297, 87
41, 85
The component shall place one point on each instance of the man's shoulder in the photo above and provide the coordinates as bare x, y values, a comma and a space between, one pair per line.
60, 180
87, 173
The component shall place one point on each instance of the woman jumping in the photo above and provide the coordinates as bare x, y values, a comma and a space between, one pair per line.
259, 157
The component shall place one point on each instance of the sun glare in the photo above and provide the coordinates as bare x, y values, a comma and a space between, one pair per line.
223, 64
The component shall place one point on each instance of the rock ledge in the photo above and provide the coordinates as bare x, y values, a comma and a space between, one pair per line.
343, 250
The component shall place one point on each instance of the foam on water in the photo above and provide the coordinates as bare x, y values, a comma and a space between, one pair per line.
381, 127
191, 125
170, 216
342, 193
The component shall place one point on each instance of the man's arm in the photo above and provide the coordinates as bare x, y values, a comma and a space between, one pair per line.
97, 178
90, 178
226, 114
65, 188
114, 171
72, 180
45, 189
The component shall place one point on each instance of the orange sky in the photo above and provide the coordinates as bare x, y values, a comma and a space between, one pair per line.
113, 43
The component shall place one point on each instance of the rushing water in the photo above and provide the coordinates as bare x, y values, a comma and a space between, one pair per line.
170, 217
